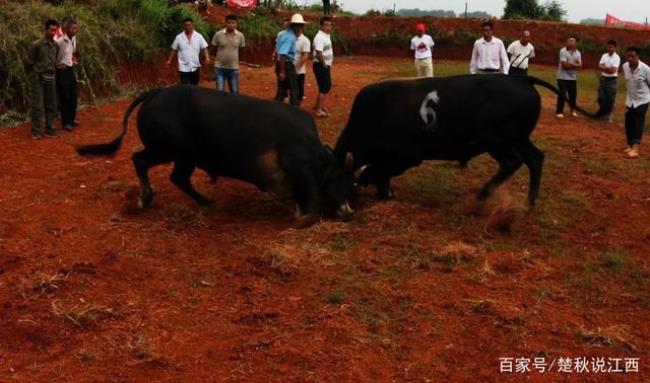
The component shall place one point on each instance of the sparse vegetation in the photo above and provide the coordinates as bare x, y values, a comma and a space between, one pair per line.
112, 32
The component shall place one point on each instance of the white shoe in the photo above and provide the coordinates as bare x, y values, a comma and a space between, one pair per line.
634, 152
559, 115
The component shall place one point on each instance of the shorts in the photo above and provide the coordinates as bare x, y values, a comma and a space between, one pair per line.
323, 77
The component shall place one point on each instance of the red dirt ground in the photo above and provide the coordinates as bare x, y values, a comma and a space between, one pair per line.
92, 289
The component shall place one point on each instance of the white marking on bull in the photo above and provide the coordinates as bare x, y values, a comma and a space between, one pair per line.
426, 111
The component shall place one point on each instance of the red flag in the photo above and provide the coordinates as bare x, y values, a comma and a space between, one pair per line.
243, 3
612, 21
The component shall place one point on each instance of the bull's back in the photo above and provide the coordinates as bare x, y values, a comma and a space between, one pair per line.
394, 118
227, 135
187, 115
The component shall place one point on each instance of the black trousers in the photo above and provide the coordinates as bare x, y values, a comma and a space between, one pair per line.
191, 78
327, 9
66, 92
635, 123
301, 86
607, 95
514, 71
289, 85
567, 88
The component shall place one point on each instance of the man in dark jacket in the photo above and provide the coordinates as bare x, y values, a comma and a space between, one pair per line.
41, 62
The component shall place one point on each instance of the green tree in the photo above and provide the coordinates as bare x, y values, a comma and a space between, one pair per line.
553, 11
531, 9
522, 9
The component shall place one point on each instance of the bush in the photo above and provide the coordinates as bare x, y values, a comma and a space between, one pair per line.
260, 28
109, 33
464, 37
23, 23
337, 39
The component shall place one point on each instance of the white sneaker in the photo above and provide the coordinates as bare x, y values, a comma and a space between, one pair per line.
634, 152
559, 115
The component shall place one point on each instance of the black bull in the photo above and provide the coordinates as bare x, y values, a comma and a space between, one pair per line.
395, 125
271, 145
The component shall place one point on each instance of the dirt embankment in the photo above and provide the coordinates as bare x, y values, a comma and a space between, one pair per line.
362, 34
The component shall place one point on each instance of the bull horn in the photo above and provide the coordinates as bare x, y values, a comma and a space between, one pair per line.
359, 171
349, 162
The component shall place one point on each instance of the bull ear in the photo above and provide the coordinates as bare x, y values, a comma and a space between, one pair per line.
349, 162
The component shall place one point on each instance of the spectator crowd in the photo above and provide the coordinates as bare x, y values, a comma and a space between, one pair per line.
52, 59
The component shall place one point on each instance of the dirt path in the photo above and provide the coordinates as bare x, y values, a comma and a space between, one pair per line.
91, 289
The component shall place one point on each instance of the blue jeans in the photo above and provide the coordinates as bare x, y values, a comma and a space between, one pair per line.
231, 75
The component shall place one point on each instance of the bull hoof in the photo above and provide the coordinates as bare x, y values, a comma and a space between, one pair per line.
306, 221
145, 200
205, 202
386, 193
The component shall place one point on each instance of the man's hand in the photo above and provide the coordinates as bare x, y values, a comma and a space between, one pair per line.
282, 76
169, 62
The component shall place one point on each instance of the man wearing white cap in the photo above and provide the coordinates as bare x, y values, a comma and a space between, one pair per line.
286, 51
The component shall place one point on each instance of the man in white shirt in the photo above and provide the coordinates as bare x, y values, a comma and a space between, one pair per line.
567, 76
422, 44
323, 58
521, 52
188, 45
66, 81
608, 65
303, 50
637, 77
489, 55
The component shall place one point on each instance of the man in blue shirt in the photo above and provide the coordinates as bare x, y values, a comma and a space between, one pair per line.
286, 50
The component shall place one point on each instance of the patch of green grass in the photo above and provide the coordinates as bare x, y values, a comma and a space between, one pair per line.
335, 297
433, 184
342, 242
616, 260
586, 285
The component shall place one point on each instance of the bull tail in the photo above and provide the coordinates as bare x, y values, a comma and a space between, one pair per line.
112, 147
554, 89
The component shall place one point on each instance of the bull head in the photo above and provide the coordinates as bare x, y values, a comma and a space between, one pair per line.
339, 184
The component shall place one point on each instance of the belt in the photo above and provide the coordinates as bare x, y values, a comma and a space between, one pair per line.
426, 58
490, 70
